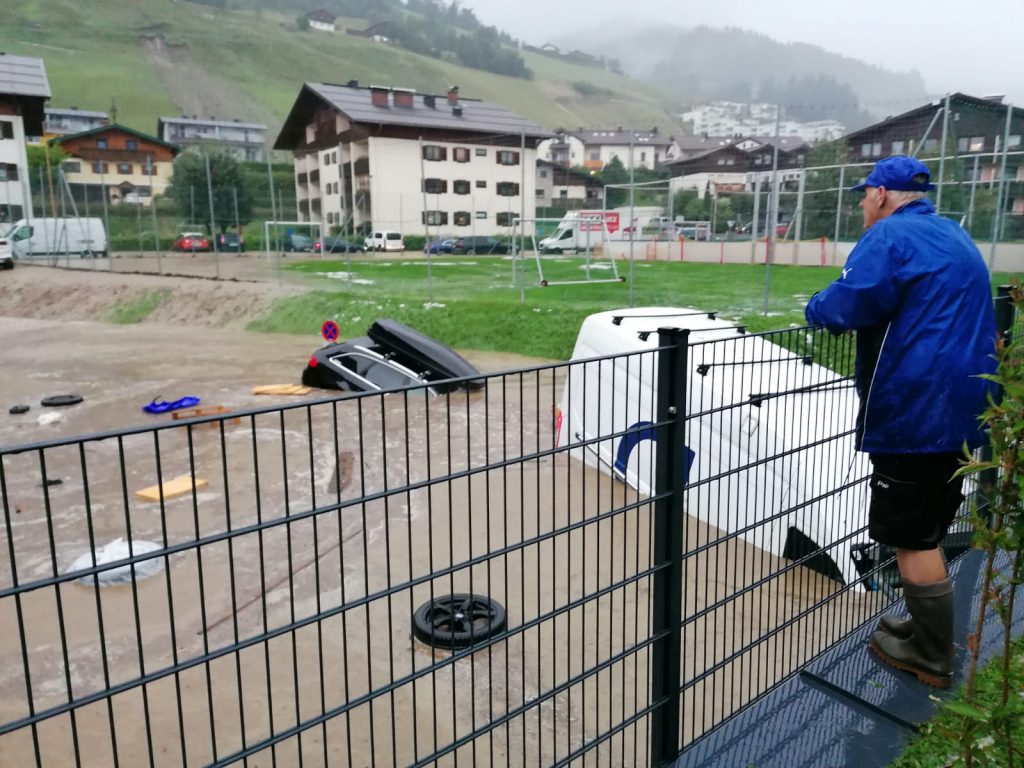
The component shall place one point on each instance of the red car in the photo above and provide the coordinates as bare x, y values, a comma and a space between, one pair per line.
192, 242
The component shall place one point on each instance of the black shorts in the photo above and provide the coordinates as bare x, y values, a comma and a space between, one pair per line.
914, 498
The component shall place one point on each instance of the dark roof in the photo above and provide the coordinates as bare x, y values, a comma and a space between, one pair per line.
355, 103
958, 99
321, 15
618, 136
116, 127
787, 144
212, 121
581, 175
72, 112
23, 76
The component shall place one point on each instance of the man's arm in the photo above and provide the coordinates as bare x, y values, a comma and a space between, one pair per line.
867, 292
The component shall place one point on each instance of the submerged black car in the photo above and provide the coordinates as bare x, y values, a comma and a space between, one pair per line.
390, 356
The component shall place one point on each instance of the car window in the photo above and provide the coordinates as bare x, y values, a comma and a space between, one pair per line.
394, 236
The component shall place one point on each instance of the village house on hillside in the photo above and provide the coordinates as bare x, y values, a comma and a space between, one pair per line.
246, 141
125, 165
24, 90
593, 148
404, 161
322, 20
61, 122
561, 187
737, 165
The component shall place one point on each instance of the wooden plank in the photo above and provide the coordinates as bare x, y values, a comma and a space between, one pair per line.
202, 410
281, 389
179, 486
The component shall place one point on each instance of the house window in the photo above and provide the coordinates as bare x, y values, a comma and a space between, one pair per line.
125, 169
595, 156
1013, 140
434, 152
643, 157
506, 219
462, 218
311, 133
898, 147
6, 129
72, 166
481, 215
507, 188
460, 187
930, 145
721, 161
564, 193
507, 157
438, 218
460, 154
99, 167
481, 185
543, 173
481, 152
961, 144
8, 172
334, 157
132, 145
101, 143
540, 194
435, 186
977, 144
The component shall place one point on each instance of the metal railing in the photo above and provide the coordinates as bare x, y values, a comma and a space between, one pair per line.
275, 585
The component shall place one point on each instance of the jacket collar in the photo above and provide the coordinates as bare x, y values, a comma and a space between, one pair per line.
924, 206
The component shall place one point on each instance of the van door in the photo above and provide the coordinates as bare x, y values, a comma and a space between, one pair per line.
21, 241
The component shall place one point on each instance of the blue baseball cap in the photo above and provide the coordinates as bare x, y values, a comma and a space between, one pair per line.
897, 173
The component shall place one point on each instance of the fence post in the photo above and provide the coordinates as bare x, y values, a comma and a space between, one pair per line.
1004, 327
669, 479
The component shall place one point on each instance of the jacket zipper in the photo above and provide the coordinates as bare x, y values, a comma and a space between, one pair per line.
871, 385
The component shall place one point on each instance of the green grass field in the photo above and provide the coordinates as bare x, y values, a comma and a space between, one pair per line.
477, 303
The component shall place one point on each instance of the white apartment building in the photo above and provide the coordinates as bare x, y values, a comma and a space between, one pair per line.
730, 118
593, 148
62, 122
246, 141
24, 90
394, 159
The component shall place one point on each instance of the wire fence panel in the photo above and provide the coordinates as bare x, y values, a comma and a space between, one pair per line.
508, 576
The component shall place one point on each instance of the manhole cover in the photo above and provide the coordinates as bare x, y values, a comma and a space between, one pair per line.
457, 621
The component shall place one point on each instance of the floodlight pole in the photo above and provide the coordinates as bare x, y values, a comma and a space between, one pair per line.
773, 207
632, 214
839, 212
942, 155
426, 226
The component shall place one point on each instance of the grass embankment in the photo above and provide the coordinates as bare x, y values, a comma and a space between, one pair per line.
482, 309
481, 301
139, 309
936, 747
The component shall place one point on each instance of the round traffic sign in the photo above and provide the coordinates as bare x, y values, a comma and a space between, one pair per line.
329, 330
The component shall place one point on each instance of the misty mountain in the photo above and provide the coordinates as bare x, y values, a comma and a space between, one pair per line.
705, 63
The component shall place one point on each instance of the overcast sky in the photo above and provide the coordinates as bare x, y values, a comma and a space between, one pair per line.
970, 46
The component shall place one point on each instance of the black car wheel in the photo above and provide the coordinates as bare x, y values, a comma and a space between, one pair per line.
458, 621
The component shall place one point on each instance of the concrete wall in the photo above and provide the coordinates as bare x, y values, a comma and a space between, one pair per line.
1009, 257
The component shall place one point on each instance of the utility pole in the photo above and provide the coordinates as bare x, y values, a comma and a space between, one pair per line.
632, 214
998, 213
773, 207
213, 218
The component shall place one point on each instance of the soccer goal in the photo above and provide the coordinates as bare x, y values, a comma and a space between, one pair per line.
583, 233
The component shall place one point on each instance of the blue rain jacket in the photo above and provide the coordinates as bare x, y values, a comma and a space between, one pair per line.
916, 290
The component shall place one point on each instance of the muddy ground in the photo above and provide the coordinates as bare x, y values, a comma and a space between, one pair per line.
344, 518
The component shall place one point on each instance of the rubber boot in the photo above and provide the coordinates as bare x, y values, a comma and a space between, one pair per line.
928, 651
896, 626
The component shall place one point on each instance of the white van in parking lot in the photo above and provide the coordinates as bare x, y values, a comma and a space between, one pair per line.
40, 237
384, 241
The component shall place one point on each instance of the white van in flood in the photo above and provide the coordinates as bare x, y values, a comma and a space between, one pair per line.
384, 241
43, 237
769, 453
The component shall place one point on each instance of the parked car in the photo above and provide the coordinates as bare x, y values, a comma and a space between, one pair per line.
336, 245
192, 242
442, 244
230, 241
297, 243
385, 240
479, 244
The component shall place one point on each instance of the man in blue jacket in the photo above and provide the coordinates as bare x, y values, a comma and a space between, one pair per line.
916, 291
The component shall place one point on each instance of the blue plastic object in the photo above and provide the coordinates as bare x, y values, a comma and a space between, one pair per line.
162, 406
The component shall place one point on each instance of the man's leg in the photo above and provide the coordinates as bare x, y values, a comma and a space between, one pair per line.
921, 566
